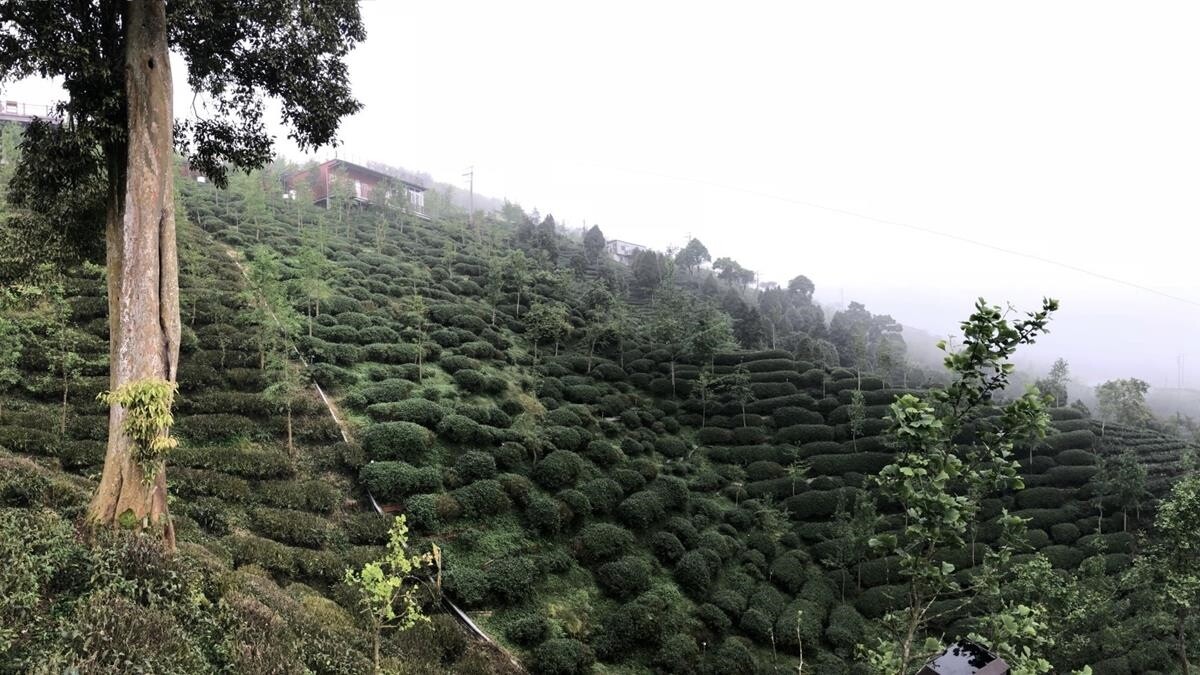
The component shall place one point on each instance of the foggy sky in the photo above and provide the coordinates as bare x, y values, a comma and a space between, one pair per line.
1063, 130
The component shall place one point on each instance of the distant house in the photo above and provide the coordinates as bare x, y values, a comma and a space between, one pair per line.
623, 251
360, 183
23, 113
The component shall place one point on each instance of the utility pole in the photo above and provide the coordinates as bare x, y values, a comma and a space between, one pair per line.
471, 216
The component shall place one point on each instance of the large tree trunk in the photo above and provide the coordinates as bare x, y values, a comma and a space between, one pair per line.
143, 268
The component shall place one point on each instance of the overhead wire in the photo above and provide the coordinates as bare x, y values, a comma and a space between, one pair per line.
915, 228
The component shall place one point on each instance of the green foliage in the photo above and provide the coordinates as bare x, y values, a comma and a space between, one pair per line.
558, 470
397, 440
483, 498
562, 656
147, 419
528, 630
624, 577
940, 485
1124, 402
294, 527
386, 592
462, 429
418, 410
475, 465
693, 574
547, 322
544, 515
641, 509
601, 542
394, 481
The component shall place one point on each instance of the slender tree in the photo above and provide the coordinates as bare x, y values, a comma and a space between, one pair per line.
547, 322
736, 386
939, 486
387, 587
415, 313
858, 416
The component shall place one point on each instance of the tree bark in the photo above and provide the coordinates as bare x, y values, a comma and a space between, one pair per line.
143, 268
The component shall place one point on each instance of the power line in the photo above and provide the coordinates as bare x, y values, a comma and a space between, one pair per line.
915, 228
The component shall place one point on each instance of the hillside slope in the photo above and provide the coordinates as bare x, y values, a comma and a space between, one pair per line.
597, 505
287, 520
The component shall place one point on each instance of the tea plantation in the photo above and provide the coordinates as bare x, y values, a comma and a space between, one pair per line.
597, 505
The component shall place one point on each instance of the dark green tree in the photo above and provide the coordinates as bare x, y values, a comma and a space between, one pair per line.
593, 245
648, 270
693, 255
802, 287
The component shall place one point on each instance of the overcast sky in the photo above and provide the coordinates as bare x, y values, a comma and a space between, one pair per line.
782, 134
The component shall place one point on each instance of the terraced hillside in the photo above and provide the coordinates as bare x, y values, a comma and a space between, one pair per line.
600, 505
252, 491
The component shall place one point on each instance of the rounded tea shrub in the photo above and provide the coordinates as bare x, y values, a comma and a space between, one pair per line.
578, 506
846, 628
603, 493
804, 433
666, 547
511, 578
670, 446
601, 542
483, 498
418, 410
1064, 533
692, 573
469, 381
678, 654
544, 516
475, 465
394, 481
563, 656
641, 509
559, 469
466, 584
462, 429
528, 630
624, 577
603, 453
396, 440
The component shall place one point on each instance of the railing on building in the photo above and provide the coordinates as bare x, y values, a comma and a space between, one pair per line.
16, 111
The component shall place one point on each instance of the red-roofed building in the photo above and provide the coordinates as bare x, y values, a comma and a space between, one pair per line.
356, 182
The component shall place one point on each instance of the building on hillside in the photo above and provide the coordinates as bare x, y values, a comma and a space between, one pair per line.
361, 184
623, 251
23, 113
